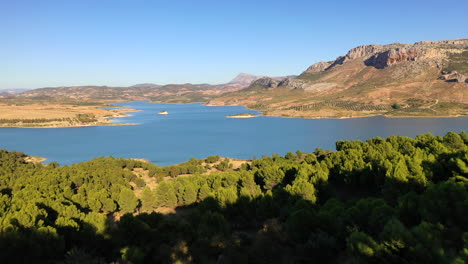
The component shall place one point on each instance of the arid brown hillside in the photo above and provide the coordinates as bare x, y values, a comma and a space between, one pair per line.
176, 93
171, 93
427, 78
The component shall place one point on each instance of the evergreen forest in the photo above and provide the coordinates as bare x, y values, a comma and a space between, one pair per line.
393, 200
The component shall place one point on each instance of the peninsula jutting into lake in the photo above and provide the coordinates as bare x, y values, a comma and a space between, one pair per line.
242, 115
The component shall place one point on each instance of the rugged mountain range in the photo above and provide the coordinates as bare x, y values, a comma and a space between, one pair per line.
146, 91
180, 93
424, 78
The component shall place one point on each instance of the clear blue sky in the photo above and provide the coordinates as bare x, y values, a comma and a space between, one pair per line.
116, 42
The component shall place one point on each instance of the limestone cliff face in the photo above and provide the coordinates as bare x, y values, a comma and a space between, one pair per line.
382, 56
354, 53
389, 57
363, 51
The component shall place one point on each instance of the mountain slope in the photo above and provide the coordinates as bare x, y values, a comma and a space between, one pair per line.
425, 78
171, 93
174, 93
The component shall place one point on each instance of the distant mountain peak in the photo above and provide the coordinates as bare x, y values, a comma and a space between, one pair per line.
145, 85
244, 78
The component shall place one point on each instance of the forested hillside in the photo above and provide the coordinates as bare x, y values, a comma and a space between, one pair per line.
394, 200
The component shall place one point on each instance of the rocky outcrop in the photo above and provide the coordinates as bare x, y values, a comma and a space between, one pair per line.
453, 76
363, 51
292, 83
266, 82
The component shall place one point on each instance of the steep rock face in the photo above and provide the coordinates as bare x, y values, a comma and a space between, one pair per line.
357, 52
382, 56
266, 82
393, 56
318, 67
363, 51
354, 53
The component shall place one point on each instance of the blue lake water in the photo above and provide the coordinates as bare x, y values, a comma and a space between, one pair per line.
196, 130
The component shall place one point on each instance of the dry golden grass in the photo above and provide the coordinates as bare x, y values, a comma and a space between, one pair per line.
39, 111
57, 111
52, 111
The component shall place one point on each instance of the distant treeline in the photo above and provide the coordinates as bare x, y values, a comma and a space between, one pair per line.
80, 118
32, 120
394, 200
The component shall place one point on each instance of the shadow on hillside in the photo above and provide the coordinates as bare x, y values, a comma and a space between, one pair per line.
250, 230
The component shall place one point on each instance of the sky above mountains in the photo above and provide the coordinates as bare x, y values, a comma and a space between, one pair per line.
122, 42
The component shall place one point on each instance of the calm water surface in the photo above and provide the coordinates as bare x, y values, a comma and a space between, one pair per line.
195, 130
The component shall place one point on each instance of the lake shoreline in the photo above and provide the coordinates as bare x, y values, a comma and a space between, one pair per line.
339, 117
196, 130
108, 122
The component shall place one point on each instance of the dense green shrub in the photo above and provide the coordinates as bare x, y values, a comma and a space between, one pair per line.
394, 200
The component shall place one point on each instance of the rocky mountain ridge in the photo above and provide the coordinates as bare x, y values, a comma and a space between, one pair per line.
167, 93
180, 93
381, 56
433, 53
374, 76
